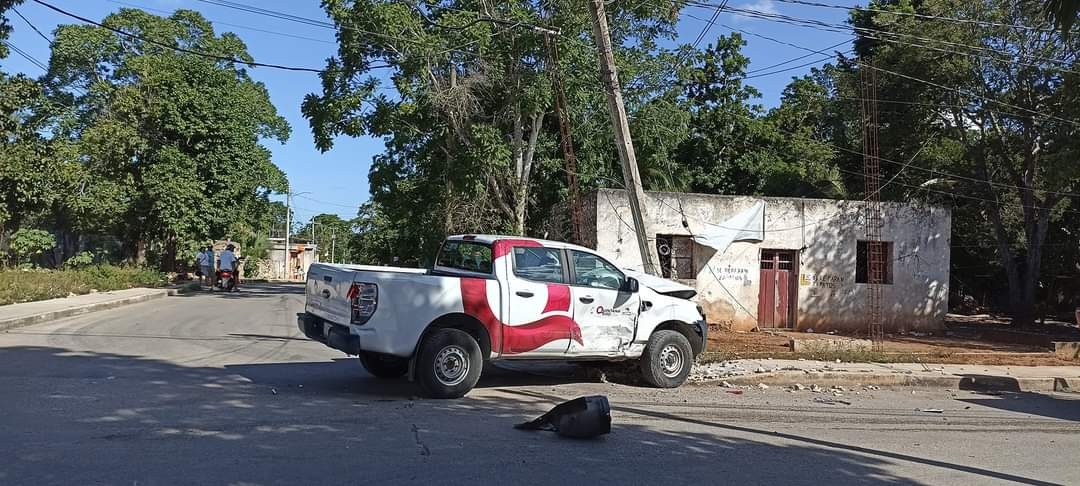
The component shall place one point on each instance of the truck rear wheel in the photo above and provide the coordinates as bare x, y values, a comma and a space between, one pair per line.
448, 364
667, 359
384, 365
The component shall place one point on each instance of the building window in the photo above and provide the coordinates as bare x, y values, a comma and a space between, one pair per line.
862, 261
676, 256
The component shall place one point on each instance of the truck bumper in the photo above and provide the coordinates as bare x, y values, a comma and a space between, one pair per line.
703, 329
333, 335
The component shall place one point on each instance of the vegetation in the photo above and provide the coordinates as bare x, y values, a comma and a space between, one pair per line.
132, 151
31, 285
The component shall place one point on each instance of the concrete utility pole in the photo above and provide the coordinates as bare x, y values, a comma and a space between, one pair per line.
623, 142
288, 211
333, 245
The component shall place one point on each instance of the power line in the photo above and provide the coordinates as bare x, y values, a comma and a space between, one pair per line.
32, 26
238, 26
822, 25
350, 206
984, 23
792, 68
182, 49
27, 56
332, 26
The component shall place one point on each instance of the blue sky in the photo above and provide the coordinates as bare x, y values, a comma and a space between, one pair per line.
337, 180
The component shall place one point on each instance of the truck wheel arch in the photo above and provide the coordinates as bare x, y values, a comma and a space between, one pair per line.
462, 322
697, 344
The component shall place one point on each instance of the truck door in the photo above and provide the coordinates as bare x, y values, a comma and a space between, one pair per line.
606, 314
539, 319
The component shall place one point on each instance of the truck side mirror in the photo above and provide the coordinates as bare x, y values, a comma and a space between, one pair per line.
630, 285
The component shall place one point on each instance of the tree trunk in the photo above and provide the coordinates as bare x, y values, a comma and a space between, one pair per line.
521, 199
140, 251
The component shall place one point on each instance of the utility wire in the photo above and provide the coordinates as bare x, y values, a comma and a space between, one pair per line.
238, 26
984, 23
32, 26
182, 49
27, 56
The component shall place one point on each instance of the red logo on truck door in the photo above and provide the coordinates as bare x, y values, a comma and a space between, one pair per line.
525, 337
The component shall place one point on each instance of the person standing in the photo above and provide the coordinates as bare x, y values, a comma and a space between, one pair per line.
203, 261
228, 261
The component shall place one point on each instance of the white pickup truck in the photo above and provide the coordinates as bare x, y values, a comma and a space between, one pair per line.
501, 298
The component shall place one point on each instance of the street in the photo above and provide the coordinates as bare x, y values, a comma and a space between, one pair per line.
221, 389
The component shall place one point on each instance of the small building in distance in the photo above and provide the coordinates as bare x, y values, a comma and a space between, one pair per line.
807, 271
301, 255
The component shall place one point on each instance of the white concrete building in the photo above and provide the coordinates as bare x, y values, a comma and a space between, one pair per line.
808, 271
301, 256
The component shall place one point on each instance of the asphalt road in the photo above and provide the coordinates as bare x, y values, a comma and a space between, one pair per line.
221, 389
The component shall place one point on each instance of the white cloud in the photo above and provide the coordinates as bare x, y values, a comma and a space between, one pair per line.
763, 6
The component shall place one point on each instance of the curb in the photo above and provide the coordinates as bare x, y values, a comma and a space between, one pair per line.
9, 324
959, 382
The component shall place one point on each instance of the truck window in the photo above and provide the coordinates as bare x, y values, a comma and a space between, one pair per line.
465, 255
592, 271
539, 264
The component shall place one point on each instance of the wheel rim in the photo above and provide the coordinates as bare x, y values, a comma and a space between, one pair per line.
671, 361
451, 365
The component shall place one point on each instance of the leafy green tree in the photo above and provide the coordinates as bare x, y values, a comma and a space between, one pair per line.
468, 136
174, 137
332, 237
1004, 103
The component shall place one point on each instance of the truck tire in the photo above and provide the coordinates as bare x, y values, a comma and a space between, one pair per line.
667, 359
448, 364
384, 365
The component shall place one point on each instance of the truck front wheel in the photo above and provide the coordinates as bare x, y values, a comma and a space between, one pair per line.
384, 365
448, 364
667, 359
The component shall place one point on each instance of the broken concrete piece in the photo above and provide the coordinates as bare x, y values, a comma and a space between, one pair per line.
832, 344
763, 386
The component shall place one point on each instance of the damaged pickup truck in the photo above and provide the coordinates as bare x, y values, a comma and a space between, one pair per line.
502, 298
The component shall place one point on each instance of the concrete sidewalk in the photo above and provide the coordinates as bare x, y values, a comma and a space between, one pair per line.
782, 372
25, 314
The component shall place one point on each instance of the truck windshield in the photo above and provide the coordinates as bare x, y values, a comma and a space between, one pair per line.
465, 255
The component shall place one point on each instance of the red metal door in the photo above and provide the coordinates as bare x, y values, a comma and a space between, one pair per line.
775, 295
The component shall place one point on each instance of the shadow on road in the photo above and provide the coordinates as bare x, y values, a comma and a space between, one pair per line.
75, 416
1059, 405
252, 290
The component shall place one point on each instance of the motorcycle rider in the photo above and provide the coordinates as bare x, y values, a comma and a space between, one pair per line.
228, 261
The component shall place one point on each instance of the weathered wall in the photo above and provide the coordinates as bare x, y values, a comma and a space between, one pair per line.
825, 235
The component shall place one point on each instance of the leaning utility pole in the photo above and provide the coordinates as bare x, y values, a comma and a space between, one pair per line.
623, 142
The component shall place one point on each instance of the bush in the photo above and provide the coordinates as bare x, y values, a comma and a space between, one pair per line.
80, 260
30, 285
27, 244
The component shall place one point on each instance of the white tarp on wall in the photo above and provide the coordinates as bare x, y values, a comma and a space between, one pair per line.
748, 225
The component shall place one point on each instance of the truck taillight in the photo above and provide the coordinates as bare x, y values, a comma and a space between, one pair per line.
363, 299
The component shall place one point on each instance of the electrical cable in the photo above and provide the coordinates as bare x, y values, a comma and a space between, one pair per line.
182, 49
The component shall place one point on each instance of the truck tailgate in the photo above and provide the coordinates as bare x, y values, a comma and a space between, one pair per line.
328, 288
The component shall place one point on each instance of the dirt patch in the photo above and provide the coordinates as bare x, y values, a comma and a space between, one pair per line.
924, 349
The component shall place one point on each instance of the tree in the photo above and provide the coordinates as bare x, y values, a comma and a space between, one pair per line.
467, 137
173, 136
1007, 111
332, 237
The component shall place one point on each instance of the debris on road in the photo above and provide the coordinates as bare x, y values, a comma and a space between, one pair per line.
799, 387
930, 410
762, 386
580, 418
273, 390
831, 401
726, 384
814, 388
734, 392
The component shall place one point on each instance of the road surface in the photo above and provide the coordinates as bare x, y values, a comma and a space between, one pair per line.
221, 389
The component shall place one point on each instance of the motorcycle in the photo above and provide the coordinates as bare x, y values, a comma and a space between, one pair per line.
226, 281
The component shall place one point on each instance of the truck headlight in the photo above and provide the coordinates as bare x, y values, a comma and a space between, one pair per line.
363, 300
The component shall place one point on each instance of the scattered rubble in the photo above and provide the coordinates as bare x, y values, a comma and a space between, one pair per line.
762, 386
831, 401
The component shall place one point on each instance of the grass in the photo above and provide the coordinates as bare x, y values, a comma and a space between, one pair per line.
32, 285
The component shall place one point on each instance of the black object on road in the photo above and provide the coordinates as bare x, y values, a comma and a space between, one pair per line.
580, 418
